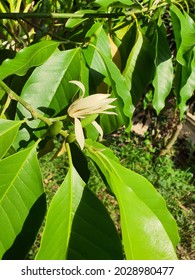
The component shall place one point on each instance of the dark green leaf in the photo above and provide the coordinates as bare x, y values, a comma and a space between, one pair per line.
164, 70
26, 238
139, 68
80, 162
93, 235
61, 212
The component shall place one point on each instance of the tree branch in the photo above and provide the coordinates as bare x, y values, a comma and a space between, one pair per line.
17, 16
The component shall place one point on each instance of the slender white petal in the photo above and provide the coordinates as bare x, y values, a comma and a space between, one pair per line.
98, 103
93, 104
79, 133
80, 85
98, 128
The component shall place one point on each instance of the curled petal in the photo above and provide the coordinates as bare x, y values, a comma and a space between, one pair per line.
79, 133
80, 85
98, 128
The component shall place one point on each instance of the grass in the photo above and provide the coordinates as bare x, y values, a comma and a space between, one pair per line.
175, 184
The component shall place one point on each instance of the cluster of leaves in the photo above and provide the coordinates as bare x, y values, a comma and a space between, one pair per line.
120, 56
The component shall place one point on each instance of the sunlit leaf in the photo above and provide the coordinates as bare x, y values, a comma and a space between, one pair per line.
61, 212
8, 132
185, 83
28, 57
143, 210
48, 90
20, 187
184, 31
124, 108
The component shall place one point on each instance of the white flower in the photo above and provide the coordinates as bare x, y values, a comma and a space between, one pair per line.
83, 107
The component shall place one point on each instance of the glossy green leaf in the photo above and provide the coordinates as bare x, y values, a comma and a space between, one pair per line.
124, 108
93, 235
139, 68
61, 212
8, 132
26, 238
164, 70
48, 89
99, 42
184, 30
101, 66
20, 187
28, 57
142, 209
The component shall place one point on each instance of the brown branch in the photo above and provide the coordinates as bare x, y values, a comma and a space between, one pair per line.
172, 140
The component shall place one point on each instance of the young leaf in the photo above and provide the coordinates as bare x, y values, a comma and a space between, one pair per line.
61, 212
28, 57
143, 210
93, 235
21, 186
164, 70
8, 132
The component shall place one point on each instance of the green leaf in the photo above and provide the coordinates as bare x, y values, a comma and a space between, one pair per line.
8, 132
74, 22
61, 212
93, 235
142, 209
80, 162
124, 108
26, 238
106, 3
48, 90
101, 66
185, 83
99, 42
139, 68
21, 186
28, 57
164, 70
184, 30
